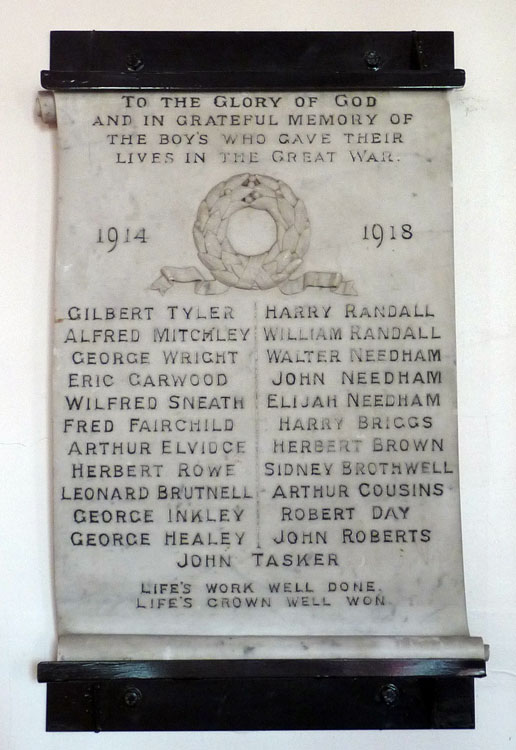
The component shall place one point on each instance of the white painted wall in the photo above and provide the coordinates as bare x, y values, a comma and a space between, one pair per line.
484, 123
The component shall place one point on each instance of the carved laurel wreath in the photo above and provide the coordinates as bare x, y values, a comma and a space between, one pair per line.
270, 268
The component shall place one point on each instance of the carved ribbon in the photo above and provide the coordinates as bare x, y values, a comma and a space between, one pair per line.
189, 274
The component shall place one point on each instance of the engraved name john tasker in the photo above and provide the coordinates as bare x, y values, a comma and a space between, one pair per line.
274, 267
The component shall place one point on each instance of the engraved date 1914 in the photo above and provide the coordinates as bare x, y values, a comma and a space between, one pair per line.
115, 236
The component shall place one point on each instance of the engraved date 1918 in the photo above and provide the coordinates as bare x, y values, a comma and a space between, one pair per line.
114, 236
380, 233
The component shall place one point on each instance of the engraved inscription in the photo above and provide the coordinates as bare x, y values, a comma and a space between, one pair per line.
256, 415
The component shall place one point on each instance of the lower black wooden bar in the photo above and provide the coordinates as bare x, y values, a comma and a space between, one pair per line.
84, 697
260, 704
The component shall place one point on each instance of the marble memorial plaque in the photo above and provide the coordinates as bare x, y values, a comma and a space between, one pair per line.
255, 433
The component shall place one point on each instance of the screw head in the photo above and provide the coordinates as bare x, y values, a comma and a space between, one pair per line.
134, 62
132, 696
373, 60
389, 694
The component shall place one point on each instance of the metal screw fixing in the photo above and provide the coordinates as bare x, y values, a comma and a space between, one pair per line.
373, 60
134, 62
389, 694
132, 696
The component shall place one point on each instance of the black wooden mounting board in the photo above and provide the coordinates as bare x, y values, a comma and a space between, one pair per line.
251, 60
230, 695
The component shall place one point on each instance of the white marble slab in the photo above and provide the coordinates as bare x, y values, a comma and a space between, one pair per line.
91, 647
254, 385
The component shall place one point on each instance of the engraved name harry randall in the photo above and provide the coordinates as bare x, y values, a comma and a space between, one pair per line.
272, 268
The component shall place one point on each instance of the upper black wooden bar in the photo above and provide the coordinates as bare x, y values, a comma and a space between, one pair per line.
251, 60
63, 671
